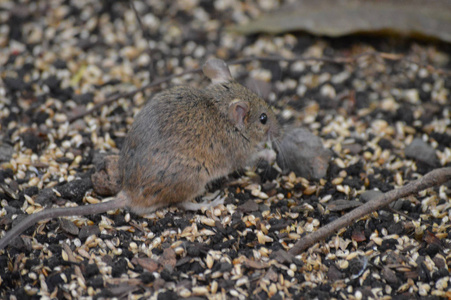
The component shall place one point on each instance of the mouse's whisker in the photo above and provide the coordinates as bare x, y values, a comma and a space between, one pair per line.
266, 171
280, 154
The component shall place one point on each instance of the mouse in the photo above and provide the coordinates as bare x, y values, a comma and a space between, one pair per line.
182, 139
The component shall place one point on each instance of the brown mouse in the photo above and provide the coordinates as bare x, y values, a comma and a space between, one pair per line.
182, 139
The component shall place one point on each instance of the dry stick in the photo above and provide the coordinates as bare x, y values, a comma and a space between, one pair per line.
338, 60
129, 94
433, 178
352, 59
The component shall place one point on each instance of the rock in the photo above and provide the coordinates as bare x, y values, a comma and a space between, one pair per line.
248, 207
334, 273
75, 190
369, 195
389, 275
303, 153
354, 148
341, 205
6, 152
68, 226
423, 153
34, 140
46, 196
14, 84
96, 282
87, 231
52, 82
282, 256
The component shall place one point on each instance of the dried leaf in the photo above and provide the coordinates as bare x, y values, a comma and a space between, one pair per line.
431, 238
332, 18
68, 226
358, 236
255, 264
147, 263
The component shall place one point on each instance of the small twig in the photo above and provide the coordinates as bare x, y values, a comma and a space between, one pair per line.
71, 258
146, 36
337, 60
130, 94
394, 211
140, 23
433, 178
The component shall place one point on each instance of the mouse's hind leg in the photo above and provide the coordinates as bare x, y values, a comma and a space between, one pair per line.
206, 204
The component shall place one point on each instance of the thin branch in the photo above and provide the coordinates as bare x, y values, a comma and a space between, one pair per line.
71, 258
337, 60
433, 178
130, 94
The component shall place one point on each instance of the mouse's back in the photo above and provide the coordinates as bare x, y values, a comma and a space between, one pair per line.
184, 137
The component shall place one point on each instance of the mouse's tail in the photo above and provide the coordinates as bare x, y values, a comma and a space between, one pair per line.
91, 209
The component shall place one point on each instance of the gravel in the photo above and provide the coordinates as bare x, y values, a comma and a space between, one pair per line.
61, 58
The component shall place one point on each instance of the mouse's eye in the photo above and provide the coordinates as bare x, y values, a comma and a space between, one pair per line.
263, 118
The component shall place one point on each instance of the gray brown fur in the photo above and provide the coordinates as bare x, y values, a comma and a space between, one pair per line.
182, 139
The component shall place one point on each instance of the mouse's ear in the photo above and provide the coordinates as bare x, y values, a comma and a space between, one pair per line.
238, 111
217, 70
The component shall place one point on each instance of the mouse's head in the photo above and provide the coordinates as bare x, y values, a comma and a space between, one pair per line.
251, 116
